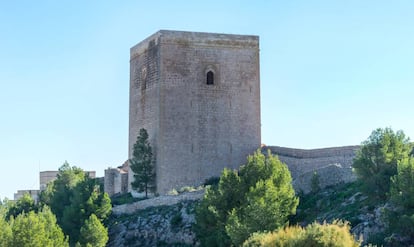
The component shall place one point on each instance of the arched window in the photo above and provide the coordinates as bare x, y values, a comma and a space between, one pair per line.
210, 78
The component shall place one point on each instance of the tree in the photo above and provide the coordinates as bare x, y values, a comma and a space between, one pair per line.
74, 197
376, 162
5, 232
24, 205
93, 233
315, 183
401, 216
37, 230
259, 197
142, 164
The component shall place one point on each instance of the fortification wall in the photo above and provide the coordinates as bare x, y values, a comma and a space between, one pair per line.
115, 181
333, 165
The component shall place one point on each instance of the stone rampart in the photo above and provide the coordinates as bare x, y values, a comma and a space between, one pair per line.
157, 201
333, 165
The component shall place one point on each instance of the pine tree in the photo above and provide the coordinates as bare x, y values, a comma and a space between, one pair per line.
376, 162
93, 233
258, 197
142, 164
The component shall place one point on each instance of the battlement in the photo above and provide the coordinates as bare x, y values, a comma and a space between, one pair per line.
313, 153
195, 39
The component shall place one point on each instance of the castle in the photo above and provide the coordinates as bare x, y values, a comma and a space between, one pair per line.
198, 96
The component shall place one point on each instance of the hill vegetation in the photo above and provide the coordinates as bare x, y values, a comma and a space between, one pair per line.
71, 211
254, 206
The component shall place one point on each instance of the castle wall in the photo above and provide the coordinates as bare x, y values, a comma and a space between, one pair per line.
34, 194
333, 165
197, 129
115, 181
144, 91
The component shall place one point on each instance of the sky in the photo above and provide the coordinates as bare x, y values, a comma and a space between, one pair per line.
331, 73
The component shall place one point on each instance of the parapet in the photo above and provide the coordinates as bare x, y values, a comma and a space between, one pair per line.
195, 38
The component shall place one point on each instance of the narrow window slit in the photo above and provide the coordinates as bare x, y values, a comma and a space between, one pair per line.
210, 78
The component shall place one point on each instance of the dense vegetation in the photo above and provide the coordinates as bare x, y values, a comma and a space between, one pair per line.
383, 194
316, 235
377, 160
384, 190
258, 197
73, 205
31, 229
254, 206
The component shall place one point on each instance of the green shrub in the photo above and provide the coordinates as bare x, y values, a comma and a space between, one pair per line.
317, 235
172, 192
124, 199
176, 220
315, 183
212, 181
186, 189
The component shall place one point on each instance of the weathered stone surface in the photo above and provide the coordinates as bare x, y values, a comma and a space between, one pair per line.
155, 226
195, 129
333, 165
157, 201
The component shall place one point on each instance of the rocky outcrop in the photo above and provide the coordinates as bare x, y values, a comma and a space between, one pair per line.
155, 226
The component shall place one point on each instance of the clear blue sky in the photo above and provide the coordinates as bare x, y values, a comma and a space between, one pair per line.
331, 72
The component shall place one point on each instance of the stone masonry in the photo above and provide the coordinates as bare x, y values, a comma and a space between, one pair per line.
116, 180
333, 165
198, 96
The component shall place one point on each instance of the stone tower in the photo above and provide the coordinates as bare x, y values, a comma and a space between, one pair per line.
198, 95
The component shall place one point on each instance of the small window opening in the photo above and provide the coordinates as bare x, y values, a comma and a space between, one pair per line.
210, 78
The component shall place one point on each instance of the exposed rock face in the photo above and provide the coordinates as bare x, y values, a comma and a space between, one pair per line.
156, 226
164, 220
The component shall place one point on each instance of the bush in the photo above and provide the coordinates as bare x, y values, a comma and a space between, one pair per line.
317, 235
124, 199
176, 220
212, 181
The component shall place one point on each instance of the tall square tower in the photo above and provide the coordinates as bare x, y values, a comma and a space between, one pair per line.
198, 96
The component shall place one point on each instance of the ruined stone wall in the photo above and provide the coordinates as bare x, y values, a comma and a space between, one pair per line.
333, 165
196, 129
115, 181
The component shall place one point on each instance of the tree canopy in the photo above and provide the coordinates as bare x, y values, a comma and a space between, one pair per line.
24, 205
32, 229
73, 197
376, 162
258, 197
93, 232
142, 164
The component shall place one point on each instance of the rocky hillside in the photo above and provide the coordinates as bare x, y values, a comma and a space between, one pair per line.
160, 221
170, 224
344, 201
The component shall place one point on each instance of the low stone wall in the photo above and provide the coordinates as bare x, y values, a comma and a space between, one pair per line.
157, 201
